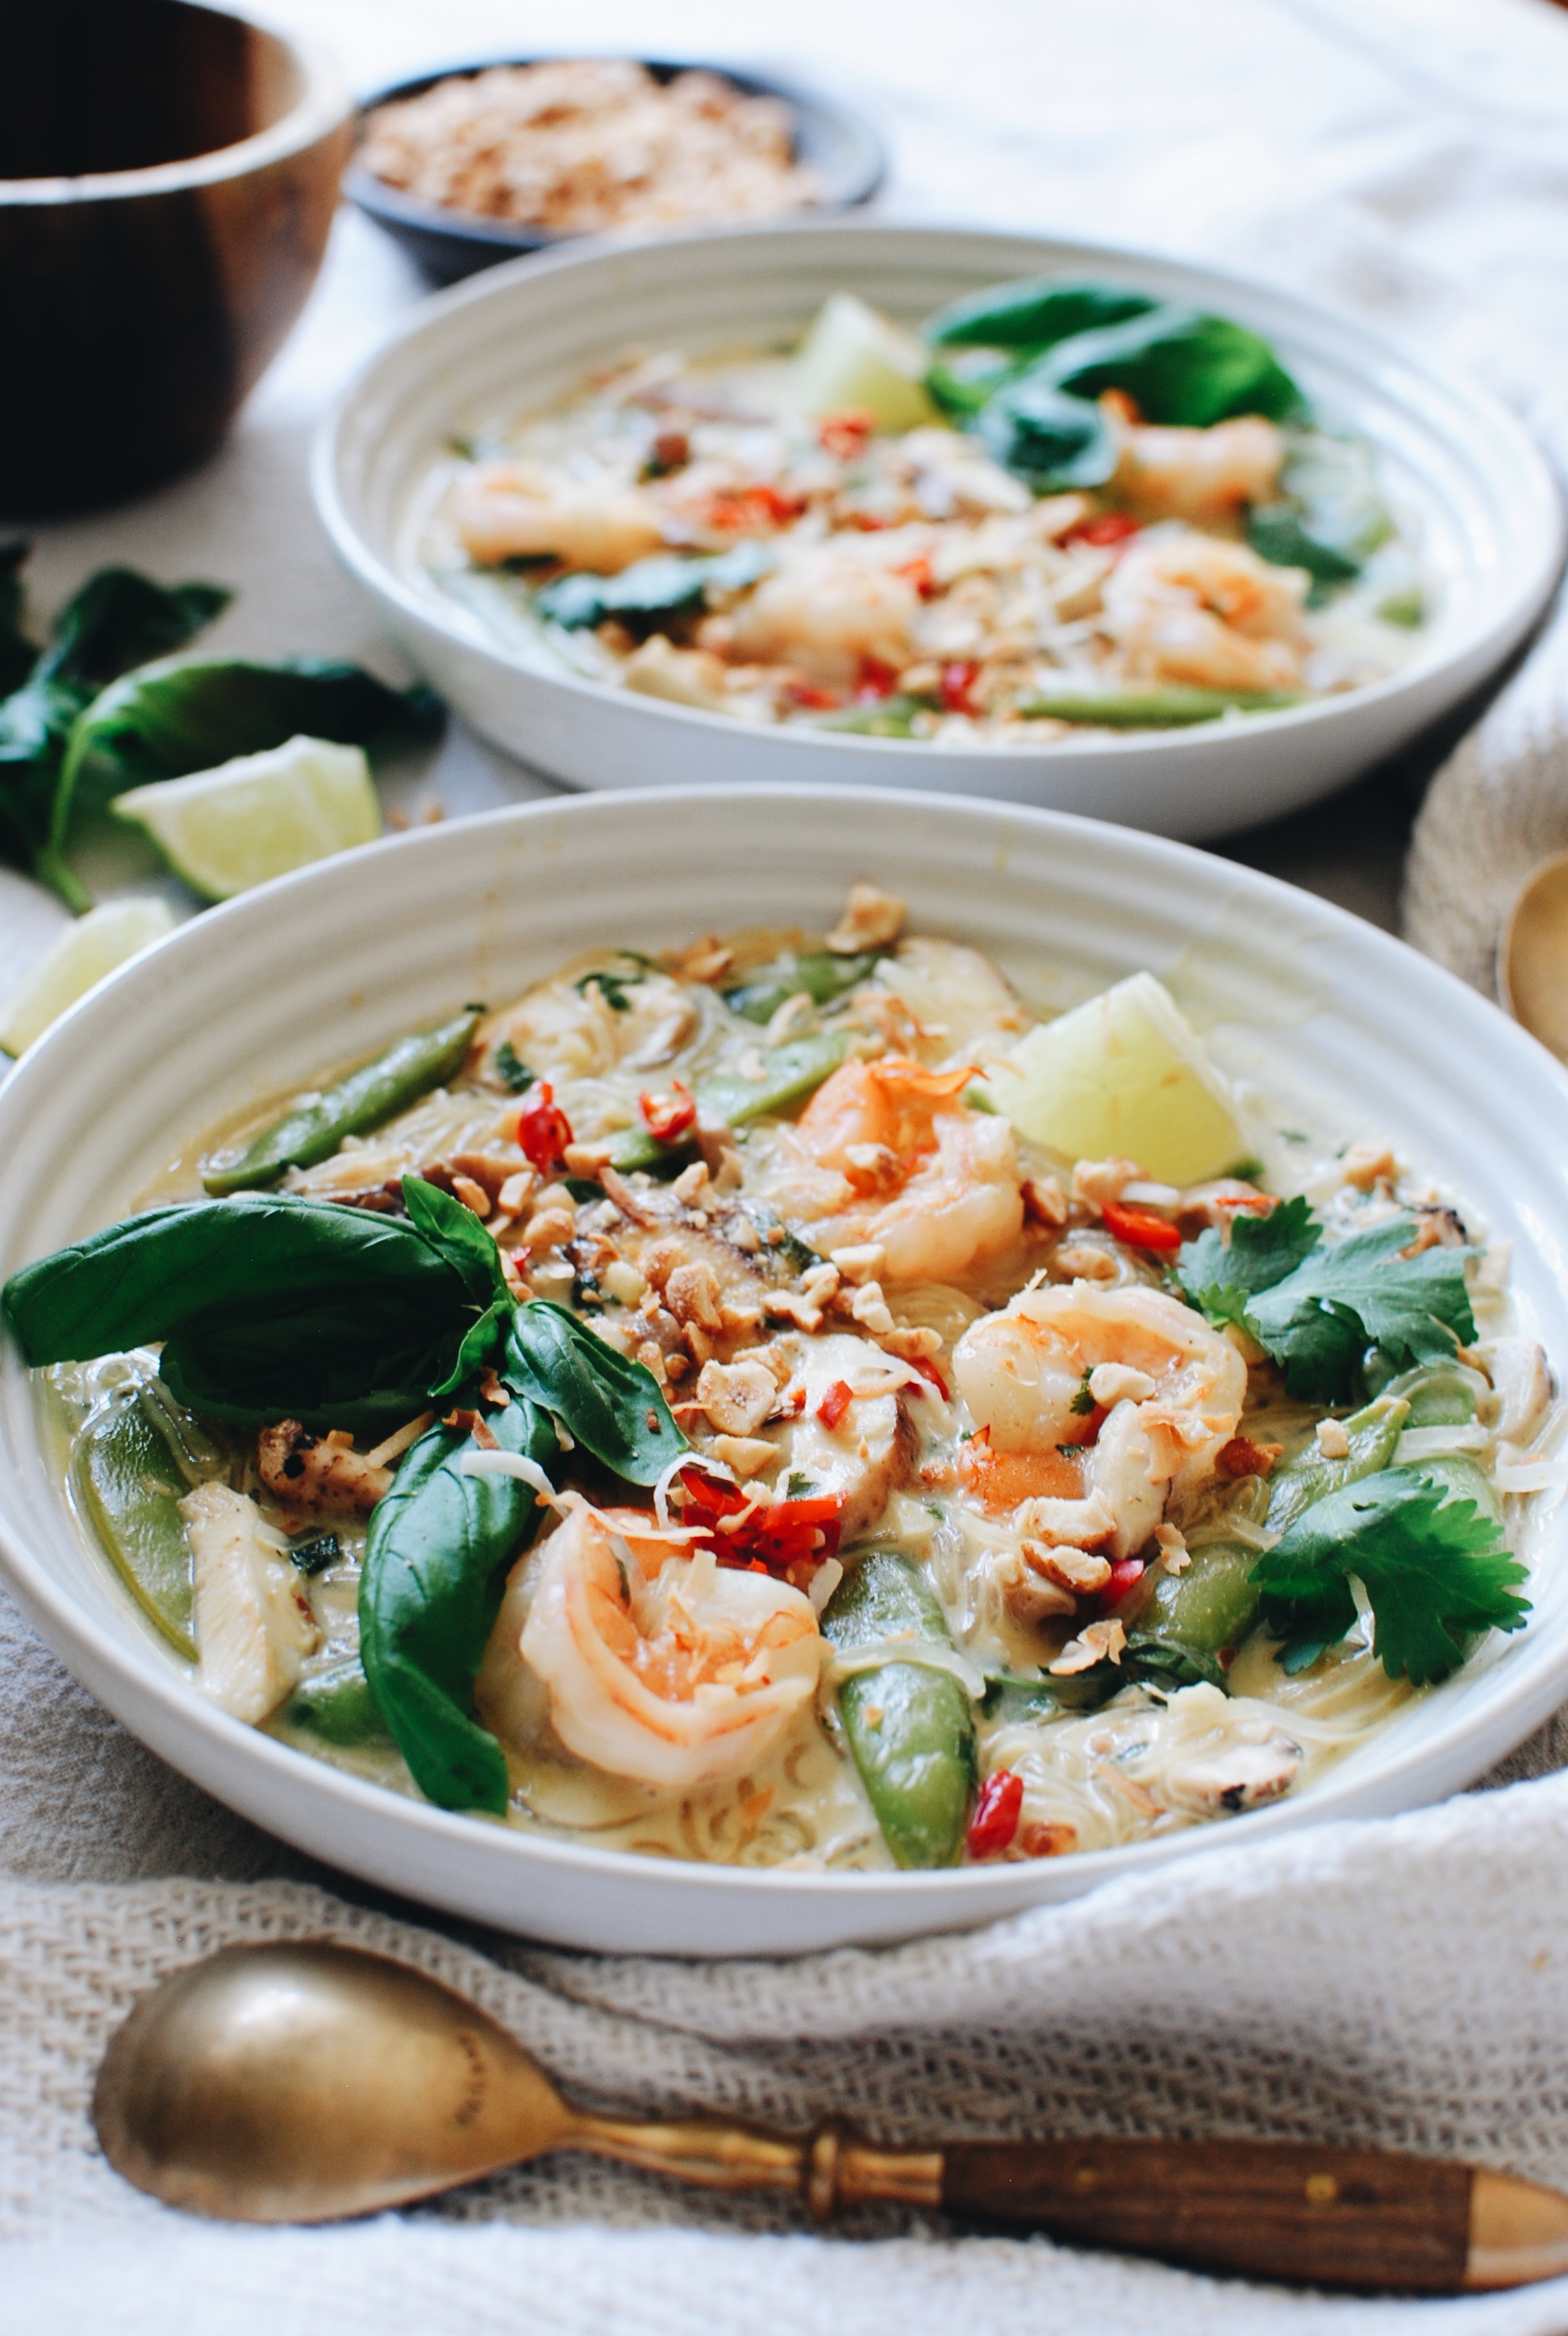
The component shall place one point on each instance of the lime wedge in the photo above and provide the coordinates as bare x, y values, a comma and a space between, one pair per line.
78, 957
855, 358
1123, 1074
258, 816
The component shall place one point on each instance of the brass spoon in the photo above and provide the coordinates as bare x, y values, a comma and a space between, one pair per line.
296, 2084
1533, 956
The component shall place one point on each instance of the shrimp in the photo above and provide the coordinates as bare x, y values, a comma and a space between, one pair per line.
1168, 1391
563, 1030
1186, 607
887, 1153
1201, 475
872, 1445
825, 608
504, 510
659, 1664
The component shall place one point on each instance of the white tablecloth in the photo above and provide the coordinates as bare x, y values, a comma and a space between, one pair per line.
1400, 1983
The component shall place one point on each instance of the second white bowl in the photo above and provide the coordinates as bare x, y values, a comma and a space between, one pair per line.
522, 335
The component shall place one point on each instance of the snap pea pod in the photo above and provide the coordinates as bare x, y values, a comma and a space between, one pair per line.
909, 1725
130, 1487
1190, 1618
337, 1703
1372, 1434
1440, 1395
365, 1099
823, 977
791, 1074
1175, 707
1010, 1702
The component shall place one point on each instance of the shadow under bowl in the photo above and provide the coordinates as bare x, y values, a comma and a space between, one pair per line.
448, 244
168, 177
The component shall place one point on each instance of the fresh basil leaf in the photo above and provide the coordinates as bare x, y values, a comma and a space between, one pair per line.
435, 1571
339, 1358
962, 383
666, 584
186, 714
133, 1283
456, 1234
612, 1406
1179, 366
1050, 440
480, 1347
1033, 315
120, 619
116, 619
269, 1306
1435, 1571
1328, 516
34, 723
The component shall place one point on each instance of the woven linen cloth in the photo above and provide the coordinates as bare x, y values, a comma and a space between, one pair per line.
1402, 1983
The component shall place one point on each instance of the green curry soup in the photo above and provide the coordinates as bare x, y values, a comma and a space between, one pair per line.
784, 1402
1066, 507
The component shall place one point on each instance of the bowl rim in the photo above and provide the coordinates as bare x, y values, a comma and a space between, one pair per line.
393, 208
1534, 1667
385, 583
324, 104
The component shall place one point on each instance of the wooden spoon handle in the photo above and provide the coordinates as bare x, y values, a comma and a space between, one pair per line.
1278, 2210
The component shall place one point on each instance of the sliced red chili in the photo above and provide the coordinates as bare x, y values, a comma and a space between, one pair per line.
844, 434
1107, 527
1125, 1576
958, 680
919, 573
543, 1130
668, 1117
753, 510
1142, 1228
996, 1815
875, 679
928, 1370
806, 693
835, 1403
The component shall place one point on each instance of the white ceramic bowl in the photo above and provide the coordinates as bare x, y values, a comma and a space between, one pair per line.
522, 334
256, 996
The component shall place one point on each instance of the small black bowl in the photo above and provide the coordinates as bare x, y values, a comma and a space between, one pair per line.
447, 244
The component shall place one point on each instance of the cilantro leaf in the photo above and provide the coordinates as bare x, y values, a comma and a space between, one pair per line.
1314, 1305
1435, 1571
1221, 1275
1361, 1291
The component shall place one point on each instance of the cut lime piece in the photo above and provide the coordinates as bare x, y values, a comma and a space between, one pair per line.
854, 360
1124, 1075
78, 957
258, 816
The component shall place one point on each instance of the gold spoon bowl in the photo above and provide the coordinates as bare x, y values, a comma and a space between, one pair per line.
1533, 956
